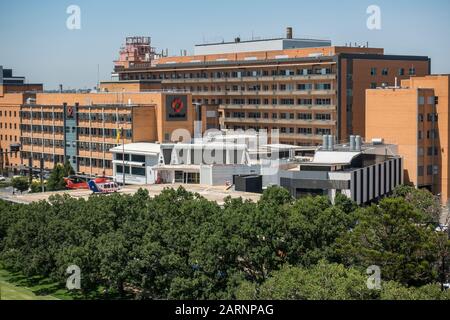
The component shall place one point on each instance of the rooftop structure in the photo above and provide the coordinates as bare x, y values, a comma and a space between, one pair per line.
6, 77
260, 45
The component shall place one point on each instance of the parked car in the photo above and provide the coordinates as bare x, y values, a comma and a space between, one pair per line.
2, 179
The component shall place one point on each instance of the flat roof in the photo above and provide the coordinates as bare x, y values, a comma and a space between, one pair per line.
261, 40
333, 157
142, 148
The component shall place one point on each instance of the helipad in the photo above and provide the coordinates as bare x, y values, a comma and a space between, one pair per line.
217, 194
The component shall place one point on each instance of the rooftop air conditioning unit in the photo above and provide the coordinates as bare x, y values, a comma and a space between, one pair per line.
378, 141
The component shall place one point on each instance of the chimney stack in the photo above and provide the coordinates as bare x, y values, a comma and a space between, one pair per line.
289, 33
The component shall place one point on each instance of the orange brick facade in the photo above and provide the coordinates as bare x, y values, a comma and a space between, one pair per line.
304, 93
415, 116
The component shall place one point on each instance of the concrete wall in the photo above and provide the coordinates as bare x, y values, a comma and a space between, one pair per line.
220, 175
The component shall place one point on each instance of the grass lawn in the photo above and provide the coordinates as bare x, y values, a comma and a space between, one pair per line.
17, 287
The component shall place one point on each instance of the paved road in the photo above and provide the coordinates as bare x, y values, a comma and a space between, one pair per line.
217, 194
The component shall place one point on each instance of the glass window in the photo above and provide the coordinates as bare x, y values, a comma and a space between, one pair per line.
137, 158
138, 171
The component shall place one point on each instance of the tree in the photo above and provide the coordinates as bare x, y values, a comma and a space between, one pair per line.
21, 184
323, 281
36, 187
56, 180
396, 237
326, 281
313, 227
68, 169
422, 199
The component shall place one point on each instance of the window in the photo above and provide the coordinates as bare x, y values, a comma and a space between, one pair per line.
385, 72
305, 102
420, 171
323, 86
401, 72
304, 116
432, 151
373, 71
120, 169
421, 101
420, 117
323, 116
138, 171
323, 101
304, 130
421, 152
304, 86
321, 131
432, 117
119, 156
137, 158
412, 71
373, 85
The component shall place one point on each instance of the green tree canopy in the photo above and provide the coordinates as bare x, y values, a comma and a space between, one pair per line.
395, 236
21, 184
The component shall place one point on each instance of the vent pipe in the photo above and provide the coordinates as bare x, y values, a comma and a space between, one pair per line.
325, 142
352, 143
358, 140
331, 143
289, 33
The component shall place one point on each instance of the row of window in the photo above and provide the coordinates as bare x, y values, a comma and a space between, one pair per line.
266, 101
8, 138
432, 170
385, 71
101, 132
55, 158
258, 87
93, 146
42, 129
39, 142
81, 145
288, 130
10, 126
95, 163
431, 134
134, 157
229, 74
40, 115
290, 116
135, 171
5, 113
430, 117
107, 117
430, 151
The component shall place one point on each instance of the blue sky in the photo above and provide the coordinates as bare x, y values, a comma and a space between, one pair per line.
35, 42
